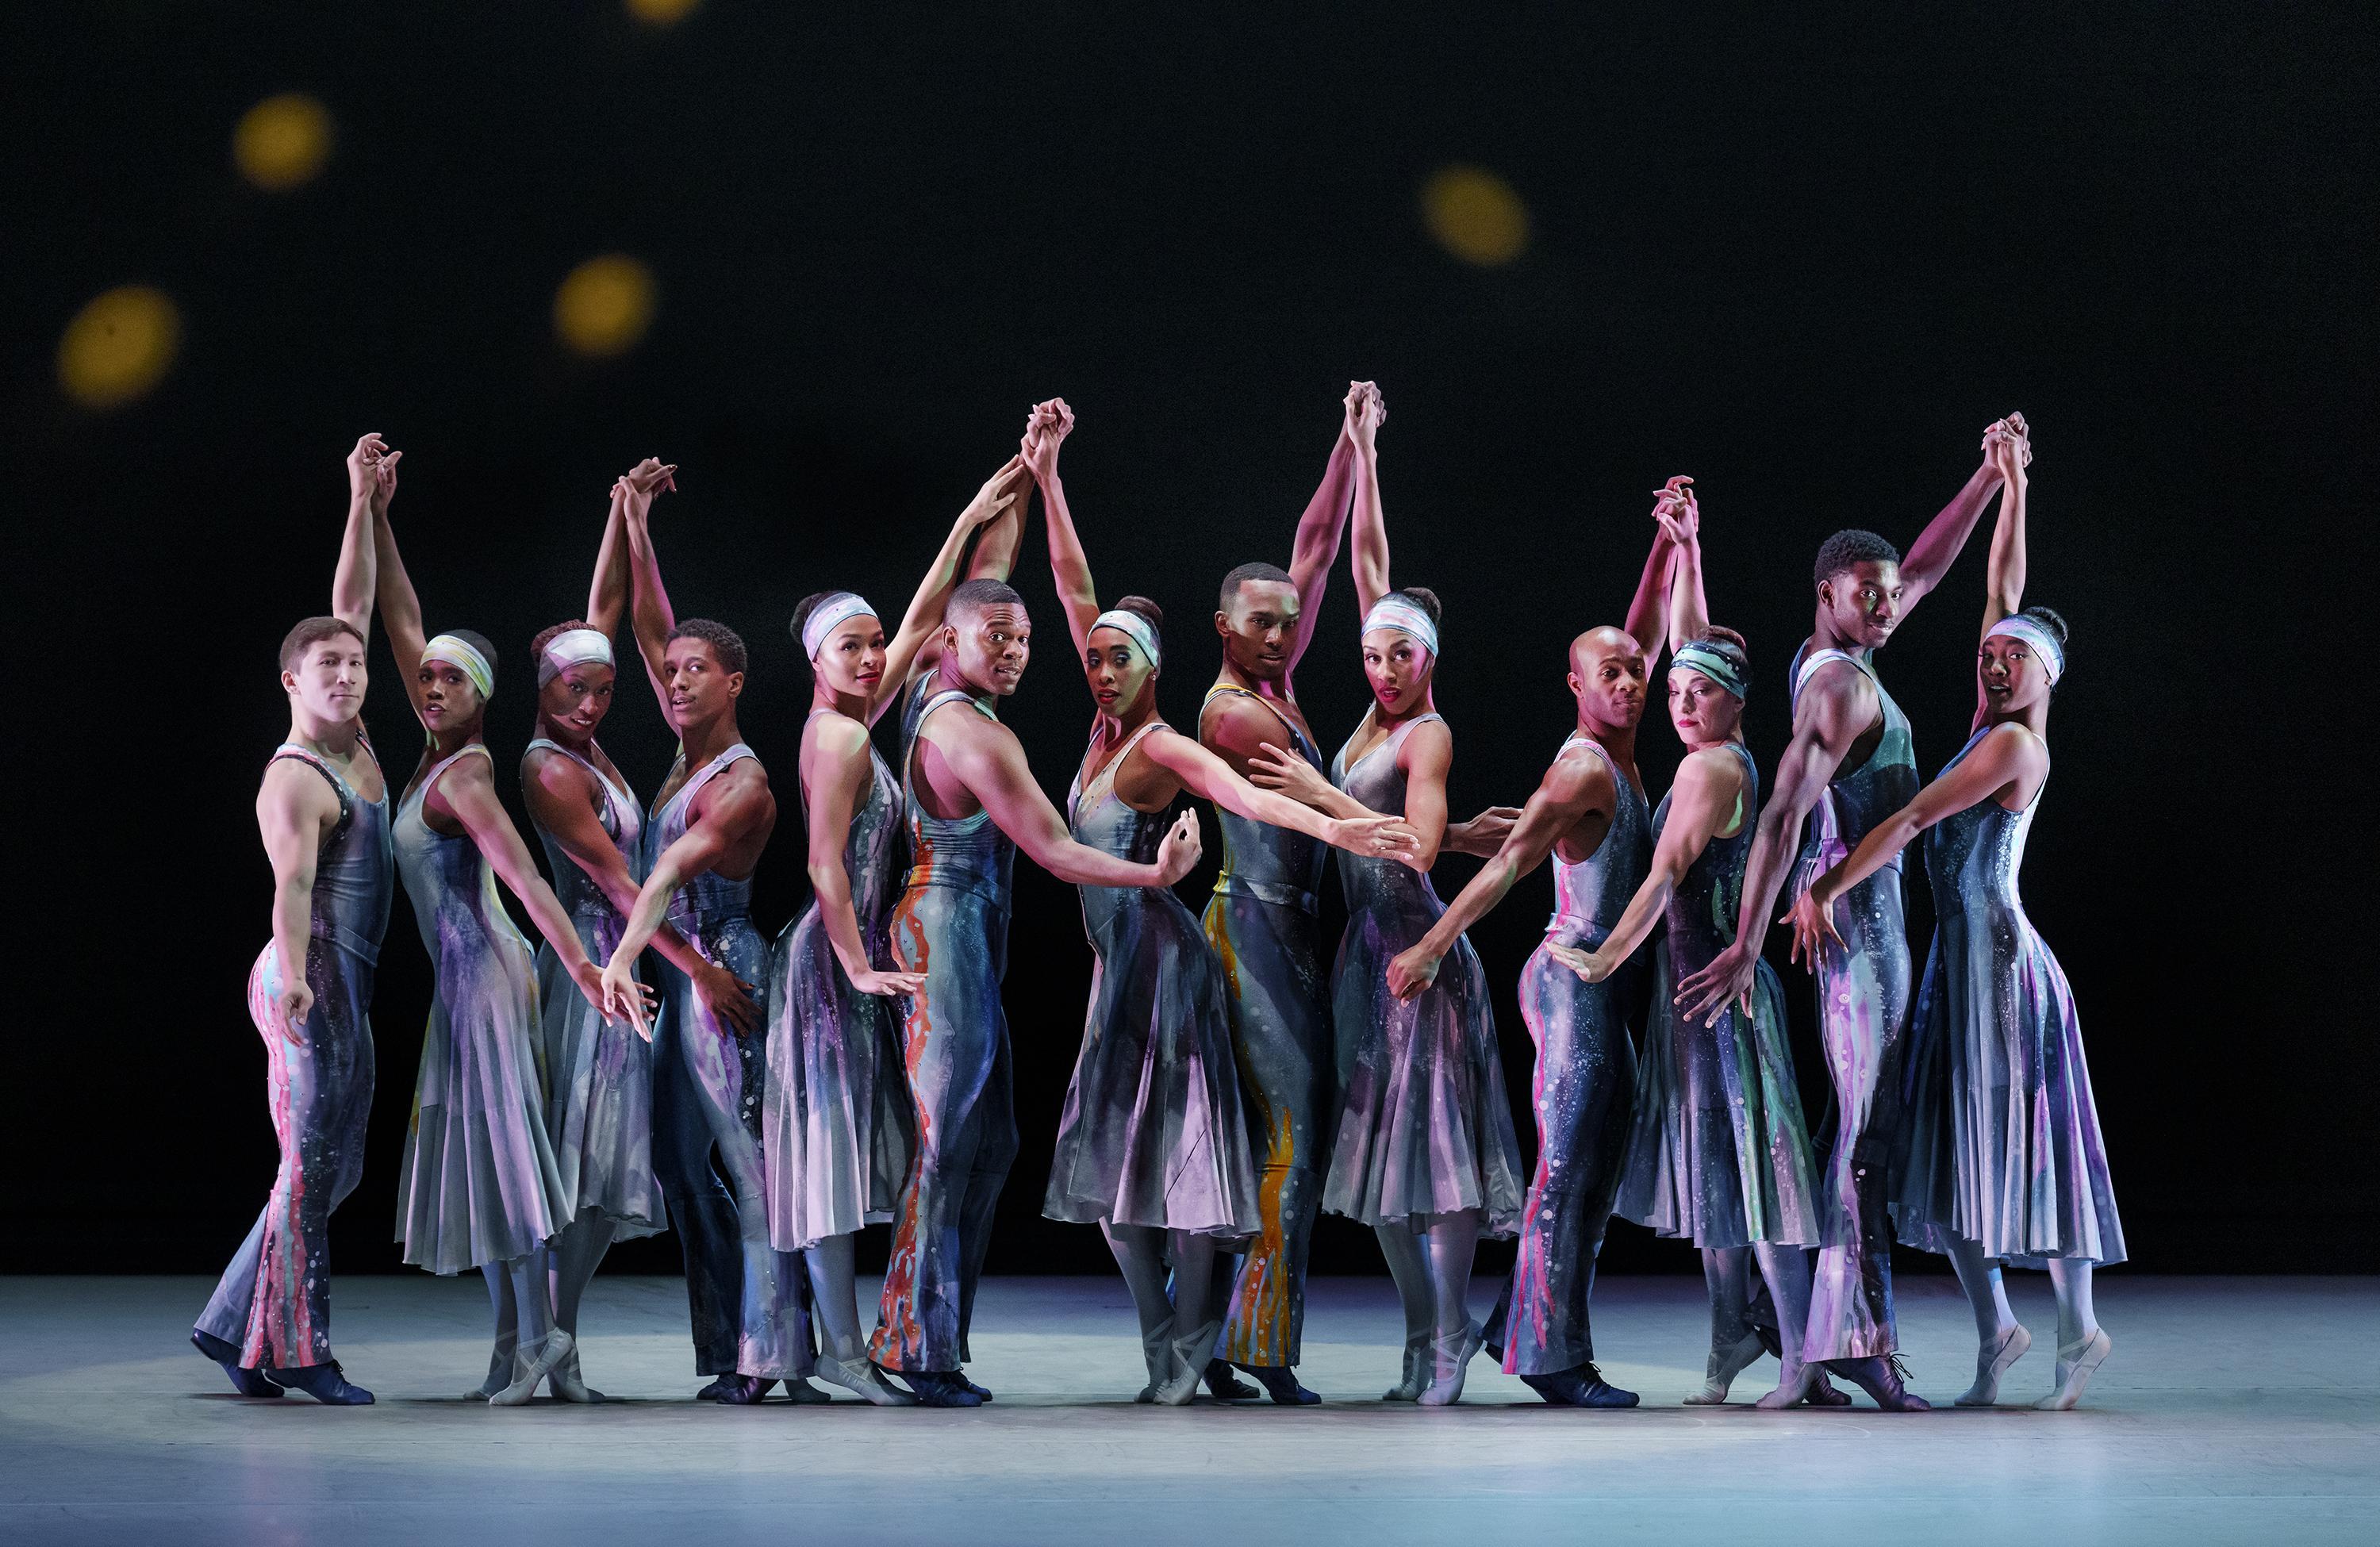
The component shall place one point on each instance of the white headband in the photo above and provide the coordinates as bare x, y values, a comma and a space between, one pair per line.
2043, 643
1133, 627
1406, 617
460, 653
835, 610
572, 647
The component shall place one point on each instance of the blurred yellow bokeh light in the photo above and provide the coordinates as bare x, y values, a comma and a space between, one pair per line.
282, 141
660, 13
119, 346
605, 306
1475, 215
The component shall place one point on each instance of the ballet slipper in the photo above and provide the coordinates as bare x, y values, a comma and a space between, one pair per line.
1416, 1377
799, 1391
1157, 1352
533, 1365
1450, 1360
1189, 1365
1992, 1361
2076, 1363
1724, 1367
500, 1370
863, 1378
568, 1385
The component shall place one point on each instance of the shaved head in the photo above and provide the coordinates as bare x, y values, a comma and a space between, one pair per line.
1598, 642
1606, 675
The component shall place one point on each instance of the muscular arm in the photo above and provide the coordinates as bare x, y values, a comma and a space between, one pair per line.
2011, 756
2004, 577
837, 770
468, 792
732, 806
993, 504
990, 761
400, 610
1370, 528
1319, 531
1069, 565
607, 593
1689, 610
1648, 610
356, 580
1937, 546
1701, 801
649, 604
293, 809
1209, 777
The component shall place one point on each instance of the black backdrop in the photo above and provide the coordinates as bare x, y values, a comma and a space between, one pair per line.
1805, 257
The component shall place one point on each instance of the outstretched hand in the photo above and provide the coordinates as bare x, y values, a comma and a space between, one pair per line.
1483, 835
999, 491
1273, 769
728, 998
1812, 918
1589, 965
616, 998
1374, 836
384, 482
887, 985
1704, 995
1179, 851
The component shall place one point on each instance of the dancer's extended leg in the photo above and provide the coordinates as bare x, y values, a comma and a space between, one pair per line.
1999, 1341
2083, 1345
1197, 1319
834, 1299
528, 1299
1408, 1257
1735, 1345
1452, 1241
572, 1258
506, 1311
1140, 1256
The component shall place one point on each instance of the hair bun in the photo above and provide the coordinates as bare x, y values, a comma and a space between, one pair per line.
2049, 620
1142, 606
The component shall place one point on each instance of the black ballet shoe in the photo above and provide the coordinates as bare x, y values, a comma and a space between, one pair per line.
1824, 1393
941, 1388
718, 1384
980, 1394
1883, 1378
743, 1391
247, 1381
1279, 1381
1581, 1387
1224, 1386
325, 1384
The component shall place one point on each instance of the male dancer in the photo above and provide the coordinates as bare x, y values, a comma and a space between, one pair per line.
1261, 921
970, 803
711, 821
1589, 812
1851, 758
323, 812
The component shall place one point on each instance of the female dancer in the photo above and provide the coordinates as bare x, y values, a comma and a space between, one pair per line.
2016, 1170
1718, 1153
1425, 1152
836, 1126
1152, 1145
598, 1075
480, 1188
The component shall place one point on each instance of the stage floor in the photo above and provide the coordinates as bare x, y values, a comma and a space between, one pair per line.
2232, 1410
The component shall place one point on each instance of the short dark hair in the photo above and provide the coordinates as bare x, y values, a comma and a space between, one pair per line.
1272, 574
310, 632
1424, 598
1837, 554
724, 642
973, 596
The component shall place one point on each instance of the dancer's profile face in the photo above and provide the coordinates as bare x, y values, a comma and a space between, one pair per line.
449, 702
1399, 669
578, 698
851, 659
2013, 677
328, 681
1607, 676
991, 645
1702, 711
1260, 627
1119, 674
1862, 602
699, 686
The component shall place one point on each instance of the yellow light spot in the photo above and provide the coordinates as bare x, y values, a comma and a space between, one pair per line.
282, 141
119, 346
661, 13
605, 305
1475, 215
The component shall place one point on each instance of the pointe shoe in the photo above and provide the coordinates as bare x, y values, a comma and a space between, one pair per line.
1416, 1376
863, 1378
744, 1390
799, 1391
326, 1384
1992, 1361
1582, 1386
533, 1366
1449, 1359
500, 1370
1882, 1378
1189, 1365
1724, 1367
940, 1388
2076, 1362
1279, 1381
566, 1384
1224, 1386
247, 1381
1157, 1352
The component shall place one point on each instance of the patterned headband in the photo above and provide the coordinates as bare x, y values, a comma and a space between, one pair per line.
572, 647
1133, 627
2044, 643
829, 614
1406, 617
460, 653
1698, 657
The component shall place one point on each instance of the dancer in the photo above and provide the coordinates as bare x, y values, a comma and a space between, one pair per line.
1718, 1153
710, 823
323, 810
481, 1186
1152, 1145
1589, 812
599, 1074
2007, 1159
1262, 924
969, 802
836, 1128
1851, 759
1425, 1152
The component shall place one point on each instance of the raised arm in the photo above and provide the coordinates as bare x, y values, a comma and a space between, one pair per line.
1069, 565
1320, 530
607, 593
1369, 524
836, 772
992, 503
737, 802
1689, 609
990, 761
1701, 801
1837, 704
1648, 610
560, 794
1210, 778
2004, 577
400, 609
2011, 756
1937, 546
1571, 788
648, 603
294, 810
370, 464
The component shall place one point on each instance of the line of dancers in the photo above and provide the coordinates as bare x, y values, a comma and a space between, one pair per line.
659, 1062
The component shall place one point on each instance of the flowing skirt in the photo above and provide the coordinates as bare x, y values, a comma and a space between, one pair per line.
598, 1096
